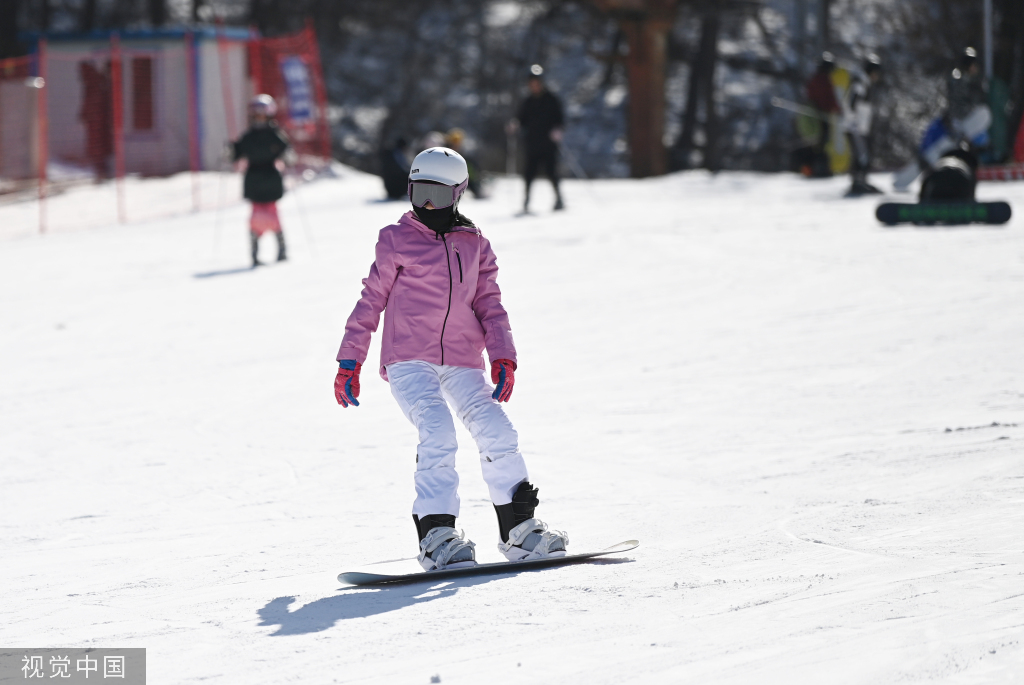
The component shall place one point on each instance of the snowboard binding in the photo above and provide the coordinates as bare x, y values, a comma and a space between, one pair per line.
441, 546
523, 537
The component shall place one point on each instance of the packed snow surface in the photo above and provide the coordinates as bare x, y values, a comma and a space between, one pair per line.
812, 423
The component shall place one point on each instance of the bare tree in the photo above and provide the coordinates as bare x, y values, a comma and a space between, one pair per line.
9, 12
701, 91
1009, 59
645, 24
45, 14
157, 12
87, 16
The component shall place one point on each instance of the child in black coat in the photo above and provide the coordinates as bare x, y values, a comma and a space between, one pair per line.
261, 146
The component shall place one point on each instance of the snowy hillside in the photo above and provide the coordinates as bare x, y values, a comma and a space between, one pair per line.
813, 425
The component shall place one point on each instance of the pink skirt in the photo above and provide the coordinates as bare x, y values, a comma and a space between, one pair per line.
264, 218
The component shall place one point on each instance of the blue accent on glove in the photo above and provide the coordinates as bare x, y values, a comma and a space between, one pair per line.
503, 376
500, 386
346, 383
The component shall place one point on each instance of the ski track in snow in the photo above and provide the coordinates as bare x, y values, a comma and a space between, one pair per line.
810, 422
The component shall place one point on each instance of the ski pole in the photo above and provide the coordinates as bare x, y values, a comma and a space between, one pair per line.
577, 170
510, 160
797, 108
510, 154
217, 216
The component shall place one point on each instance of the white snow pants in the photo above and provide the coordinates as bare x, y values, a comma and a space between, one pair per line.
421, 389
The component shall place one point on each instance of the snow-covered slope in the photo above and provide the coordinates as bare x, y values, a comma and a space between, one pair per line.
812, 424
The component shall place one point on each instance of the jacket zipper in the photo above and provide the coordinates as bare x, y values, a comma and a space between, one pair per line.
459, 258
447, 259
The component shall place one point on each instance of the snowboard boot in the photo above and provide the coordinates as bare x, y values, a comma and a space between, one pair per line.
522, 536
441, 546
860, 186
863, 188
282, 253
254, 245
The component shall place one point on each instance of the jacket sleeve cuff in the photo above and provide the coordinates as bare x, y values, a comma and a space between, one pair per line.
495, 355
351, 353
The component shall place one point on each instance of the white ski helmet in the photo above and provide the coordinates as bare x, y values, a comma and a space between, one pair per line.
441, 165
263, 104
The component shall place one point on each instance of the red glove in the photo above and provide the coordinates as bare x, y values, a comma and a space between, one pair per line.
503, 376
346, 383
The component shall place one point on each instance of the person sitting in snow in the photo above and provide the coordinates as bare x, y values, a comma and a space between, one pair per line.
435, 279
394, 169
965, 122
262, 145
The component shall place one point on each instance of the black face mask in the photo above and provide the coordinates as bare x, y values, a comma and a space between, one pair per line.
439, 221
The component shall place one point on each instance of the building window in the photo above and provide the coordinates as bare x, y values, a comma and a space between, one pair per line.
142, 93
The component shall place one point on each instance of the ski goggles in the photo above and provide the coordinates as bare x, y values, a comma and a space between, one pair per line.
437, 194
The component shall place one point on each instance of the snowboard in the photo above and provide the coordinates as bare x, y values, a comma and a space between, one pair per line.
409, 571
928, 213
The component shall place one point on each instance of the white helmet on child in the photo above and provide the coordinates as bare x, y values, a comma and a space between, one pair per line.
439, 176
441, 165
263, 104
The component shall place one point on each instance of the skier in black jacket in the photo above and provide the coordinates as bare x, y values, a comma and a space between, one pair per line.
261, 146
540, 117
394, 169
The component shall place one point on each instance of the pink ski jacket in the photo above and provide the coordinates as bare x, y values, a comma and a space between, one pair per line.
441, 298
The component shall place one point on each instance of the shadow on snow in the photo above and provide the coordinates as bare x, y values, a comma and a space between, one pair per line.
224, 272
362, 602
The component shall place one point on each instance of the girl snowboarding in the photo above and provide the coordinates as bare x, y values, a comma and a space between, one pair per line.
262, 145
435, 278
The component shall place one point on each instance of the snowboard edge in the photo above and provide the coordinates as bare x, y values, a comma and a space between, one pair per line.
358, 578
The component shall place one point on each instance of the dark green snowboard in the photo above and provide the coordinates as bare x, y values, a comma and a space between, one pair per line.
943, 213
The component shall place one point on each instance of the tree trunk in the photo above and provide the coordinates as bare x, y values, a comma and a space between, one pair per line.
1009, 59
87, 16
157, 12
645, 68
714, 26
9, 28
45, 14
824, 20
645, 25
800, 31
272, 17
701, 90
684, 144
